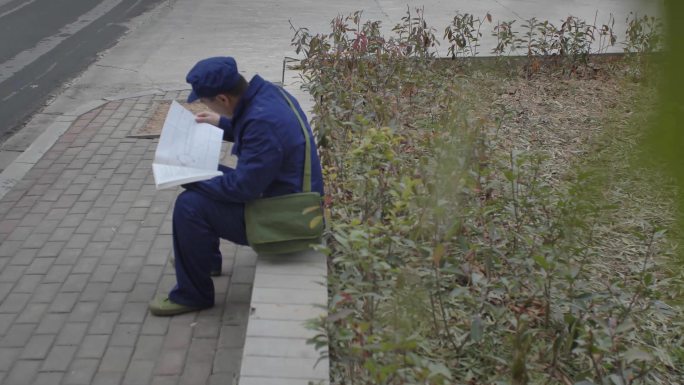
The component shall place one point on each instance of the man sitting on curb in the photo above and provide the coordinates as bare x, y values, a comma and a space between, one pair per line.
269, 144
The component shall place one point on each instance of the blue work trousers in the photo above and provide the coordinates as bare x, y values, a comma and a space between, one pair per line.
198, 223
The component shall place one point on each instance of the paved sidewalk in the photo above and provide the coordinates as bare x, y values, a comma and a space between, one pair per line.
85, 242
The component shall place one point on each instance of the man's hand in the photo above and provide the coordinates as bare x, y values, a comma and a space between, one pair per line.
208, 117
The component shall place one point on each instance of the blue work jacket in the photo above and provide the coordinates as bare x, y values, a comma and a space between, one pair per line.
269, 144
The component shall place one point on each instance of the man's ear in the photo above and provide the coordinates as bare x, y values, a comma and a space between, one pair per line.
222, 98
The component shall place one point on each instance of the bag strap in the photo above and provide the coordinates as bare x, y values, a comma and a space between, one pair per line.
306, 183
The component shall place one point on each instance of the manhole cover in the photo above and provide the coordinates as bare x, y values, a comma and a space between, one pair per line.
153, 126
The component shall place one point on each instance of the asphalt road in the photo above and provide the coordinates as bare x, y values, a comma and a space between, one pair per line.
46, 43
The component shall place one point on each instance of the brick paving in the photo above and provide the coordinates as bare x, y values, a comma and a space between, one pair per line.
85, 243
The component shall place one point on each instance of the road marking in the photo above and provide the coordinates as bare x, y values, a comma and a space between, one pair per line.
24, 58
9, 96
18, 7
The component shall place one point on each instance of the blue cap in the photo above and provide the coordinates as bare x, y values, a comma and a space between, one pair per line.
210, 77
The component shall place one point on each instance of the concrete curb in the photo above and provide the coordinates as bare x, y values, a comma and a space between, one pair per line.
288, 290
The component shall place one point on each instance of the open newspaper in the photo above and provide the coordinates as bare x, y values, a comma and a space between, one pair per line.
187, 151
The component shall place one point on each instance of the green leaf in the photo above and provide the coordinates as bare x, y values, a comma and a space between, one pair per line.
615, 379
584, 296
625, 326
342, 314
648, 279
541, 261
635, 354
476, 329
459, 292
439, 369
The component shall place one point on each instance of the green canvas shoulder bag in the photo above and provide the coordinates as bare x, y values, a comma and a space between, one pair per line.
287, 223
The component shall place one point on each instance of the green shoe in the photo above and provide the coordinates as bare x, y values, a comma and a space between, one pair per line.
165, 307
